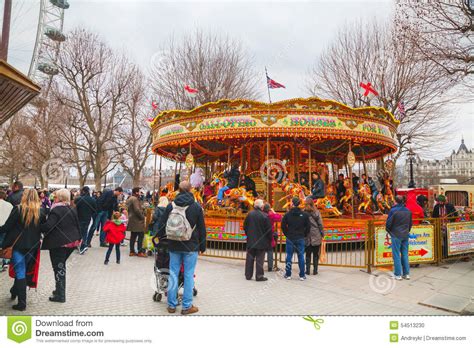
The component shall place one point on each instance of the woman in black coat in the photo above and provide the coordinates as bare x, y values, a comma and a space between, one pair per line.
22, 230
61, 236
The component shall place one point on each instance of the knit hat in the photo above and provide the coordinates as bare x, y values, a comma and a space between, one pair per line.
441, 198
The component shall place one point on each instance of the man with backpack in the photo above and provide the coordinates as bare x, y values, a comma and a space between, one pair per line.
182, 225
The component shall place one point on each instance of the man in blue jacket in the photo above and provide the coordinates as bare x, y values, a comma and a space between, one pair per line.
398, 225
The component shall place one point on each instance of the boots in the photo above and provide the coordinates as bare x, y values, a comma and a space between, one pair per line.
308, 267
13, 290
59, 295
21, 293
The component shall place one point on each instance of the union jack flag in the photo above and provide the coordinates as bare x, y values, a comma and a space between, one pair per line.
273, 84
401, 108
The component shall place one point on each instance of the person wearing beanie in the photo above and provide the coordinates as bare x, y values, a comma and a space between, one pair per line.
296, 227
114, 234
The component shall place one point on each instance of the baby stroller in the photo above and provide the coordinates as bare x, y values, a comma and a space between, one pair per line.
162, 273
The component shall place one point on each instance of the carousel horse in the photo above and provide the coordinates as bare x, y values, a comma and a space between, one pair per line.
346, 200
331, 194
293, 190
366, 197
388, 196
325, 206
382, 204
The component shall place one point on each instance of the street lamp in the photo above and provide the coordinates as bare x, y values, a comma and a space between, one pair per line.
411, 155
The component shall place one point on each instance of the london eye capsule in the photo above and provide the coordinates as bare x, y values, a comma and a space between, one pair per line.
60, 3
48, 68
55, 35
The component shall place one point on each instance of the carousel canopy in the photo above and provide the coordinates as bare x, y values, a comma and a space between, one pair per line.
326, 126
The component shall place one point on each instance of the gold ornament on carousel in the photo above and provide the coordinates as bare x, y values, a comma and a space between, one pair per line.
189, 161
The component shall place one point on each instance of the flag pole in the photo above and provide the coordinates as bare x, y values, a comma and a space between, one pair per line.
268, 88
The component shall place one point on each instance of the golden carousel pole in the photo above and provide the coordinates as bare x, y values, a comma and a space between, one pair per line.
268, 181
350, 164
296, 162
310, 181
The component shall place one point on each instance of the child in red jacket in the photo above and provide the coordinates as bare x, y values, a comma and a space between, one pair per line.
115, 233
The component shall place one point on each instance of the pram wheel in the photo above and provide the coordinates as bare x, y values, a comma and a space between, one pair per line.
157, 297
195, 292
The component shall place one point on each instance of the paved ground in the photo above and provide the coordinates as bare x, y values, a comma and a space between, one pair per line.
95, 289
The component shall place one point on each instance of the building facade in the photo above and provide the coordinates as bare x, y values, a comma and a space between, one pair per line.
458, 166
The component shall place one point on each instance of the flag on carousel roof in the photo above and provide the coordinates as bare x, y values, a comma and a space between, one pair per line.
190, 90
273, 84
367, 89
401, 108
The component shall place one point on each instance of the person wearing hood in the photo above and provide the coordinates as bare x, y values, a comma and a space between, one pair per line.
296, 227
232, 176
185, 251
114, 234
197, 178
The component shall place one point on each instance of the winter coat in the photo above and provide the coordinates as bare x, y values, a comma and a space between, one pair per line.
399, 222
258, 228
61, 228
316, 233
29, 236
136, 219
114, 234
318, 189
232, 177
295, 224
86, 207
195, 216
340, 189
107, 202
451, 213
15, 197
156, 219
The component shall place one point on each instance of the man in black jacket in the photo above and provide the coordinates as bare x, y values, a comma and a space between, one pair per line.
258, 228
295, 226
184, 252
398, 225
447, 213
106, 204
17, 192
318, 187
86, 207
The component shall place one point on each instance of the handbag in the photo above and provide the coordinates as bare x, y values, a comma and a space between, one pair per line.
7, 253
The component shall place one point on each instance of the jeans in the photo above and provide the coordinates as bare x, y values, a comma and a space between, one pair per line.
189, 259
220, 194
400, 264
109, 251
84, 226
133, 238
291, 245
98, 222
19, 260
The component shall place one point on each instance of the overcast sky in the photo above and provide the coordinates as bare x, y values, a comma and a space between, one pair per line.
285, 36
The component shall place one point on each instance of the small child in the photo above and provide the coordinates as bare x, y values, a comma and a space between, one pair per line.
115, 233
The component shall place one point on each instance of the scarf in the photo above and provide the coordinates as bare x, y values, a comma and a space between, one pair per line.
59, 204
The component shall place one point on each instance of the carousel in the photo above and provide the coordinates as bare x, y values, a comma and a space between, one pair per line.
279, 148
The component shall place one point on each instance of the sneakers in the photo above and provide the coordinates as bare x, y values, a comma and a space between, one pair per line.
104, 245
397, 277
190, 310
262, 279
288, 277
407, 277
171, 310
118, 262
106, 262
302, 278
82, 251
123, 244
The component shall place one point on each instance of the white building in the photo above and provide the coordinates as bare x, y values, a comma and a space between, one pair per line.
459, 166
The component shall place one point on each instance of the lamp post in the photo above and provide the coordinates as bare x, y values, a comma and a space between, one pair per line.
411, 155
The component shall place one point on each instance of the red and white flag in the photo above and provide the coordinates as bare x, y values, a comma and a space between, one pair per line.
367, 89
190, 90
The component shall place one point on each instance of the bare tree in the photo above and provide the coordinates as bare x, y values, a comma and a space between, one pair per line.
371, 53
135, 135
216, 66
442, 31
92, 82
15, 157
